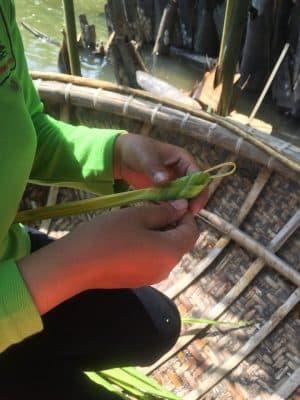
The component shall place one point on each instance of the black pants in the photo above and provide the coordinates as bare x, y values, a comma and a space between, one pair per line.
94, 330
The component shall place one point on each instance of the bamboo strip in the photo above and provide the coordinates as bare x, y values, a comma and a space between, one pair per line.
283, 235
164, 117
269, 82
253, 246
225, 123
288, 387
51, 200
53, 191
211, 378
166, 24
197, 268
109, 42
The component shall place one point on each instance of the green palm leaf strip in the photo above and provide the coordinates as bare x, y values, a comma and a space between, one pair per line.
190, 320
129, 381
186, 187
106, 384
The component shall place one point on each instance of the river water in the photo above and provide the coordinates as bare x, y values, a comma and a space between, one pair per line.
47, 17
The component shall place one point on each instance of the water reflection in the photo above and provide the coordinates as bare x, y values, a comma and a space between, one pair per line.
47, 17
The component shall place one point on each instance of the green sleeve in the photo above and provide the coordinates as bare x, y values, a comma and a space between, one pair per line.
72, 156
66, 155
35, 147
19, 318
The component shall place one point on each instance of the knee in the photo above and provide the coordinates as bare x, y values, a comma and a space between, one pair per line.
165, 320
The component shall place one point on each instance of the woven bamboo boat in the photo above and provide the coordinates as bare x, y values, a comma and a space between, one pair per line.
246, 263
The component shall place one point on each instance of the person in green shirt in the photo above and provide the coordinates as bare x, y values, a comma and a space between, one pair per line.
84, 301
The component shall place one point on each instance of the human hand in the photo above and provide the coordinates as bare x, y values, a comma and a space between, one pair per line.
127, 248
135, 246
144, 162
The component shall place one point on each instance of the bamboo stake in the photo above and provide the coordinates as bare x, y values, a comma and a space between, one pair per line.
269, 82
166, 26
253, 246
210, 379
109, 42
214, 119
71, 36
234, 23
288, 387
277, 242
40, 35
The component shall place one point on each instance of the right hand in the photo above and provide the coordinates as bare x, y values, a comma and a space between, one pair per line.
128, 248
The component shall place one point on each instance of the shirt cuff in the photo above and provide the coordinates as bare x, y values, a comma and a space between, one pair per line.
19, 317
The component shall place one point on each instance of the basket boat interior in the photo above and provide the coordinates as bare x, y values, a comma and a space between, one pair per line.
244, 266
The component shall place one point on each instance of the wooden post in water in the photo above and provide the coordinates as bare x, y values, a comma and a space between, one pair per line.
71, 37
124, 53
88, 33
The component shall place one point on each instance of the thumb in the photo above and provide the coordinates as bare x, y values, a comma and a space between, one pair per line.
161, 215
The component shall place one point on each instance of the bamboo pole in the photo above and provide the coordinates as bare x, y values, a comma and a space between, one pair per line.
234, 25
69, 14
269, 82
253, 246
51, 200
288, 387
165, 30
40, 35
278, 159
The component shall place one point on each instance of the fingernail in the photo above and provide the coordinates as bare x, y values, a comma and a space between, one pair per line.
180, 204
160, 176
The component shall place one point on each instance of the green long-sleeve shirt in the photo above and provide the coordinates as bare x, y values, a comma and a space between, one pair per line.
35, 148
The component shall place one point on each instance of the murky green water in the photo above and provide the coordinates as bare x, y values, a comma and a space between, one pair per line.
47, 17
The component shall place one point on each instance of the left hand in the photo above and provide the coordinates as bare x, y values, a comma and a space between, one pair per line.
143, 162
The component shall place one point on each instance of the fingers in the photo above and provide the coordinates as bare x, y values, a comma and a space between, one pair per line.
162, 161
182, 237
160, 216
177, 227
199, 202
